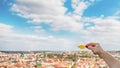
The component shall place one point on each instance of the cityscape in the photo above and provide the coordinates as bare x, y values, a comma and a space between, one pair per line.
53, 59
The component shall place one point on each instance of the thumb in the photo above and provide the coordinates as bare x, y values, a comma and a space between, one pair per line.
92, 49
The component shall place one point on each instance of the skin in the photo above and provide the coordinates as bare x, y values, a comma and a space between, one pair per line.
96, 49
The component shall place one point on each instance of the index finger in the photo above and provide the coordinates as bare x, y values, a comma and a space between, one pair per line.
90, 44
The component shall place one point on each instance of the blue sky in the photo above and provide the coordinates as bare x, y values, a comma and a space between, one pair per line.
58, 24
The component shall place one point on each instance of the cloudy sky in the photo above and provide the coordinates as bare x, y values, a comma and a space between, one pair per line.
59, 24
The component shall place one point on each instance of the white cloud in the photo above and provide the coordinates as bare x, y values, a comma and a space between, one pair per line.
79, 6
106, 31
38, 29
66, 23
52, 12
5, 28
10, 40
39, 10
107, 24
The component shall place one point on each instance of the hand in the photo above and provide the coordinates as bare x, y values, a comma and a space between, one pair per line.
95, 47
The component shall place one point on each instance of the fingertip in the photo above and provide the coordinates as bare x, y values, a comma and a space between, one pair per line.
90, 44
86, 46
